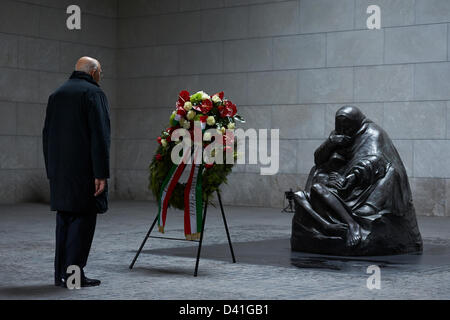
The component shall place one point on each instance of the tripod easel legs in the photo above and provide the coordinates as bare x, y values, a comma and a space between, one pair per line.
143, 243
226, 227
205, 210
201, 238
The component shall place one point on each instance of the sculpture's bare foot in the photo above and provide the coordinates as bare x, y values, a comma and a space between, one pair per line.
337, 228
353, 234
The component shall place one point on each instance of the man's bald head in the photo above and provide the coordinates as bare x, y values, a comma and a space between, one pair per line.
89, 65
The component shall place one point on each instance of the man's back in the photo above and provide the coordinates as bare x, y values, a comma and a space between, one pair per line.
76, 140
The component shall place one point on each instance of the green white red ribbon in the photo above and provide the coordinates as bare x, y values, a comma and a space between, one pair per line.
167, 189
193, 202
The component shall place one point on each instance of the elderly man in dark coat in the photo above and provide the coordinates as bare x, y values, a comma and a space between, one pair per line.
76, 143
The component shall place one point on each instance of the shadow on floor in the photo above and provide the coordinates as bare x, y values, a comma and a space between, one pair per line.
33, 291
277, 252
148, 270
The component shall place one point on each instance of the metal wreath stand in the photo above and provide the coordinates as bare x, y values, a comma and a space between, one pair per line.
180, 239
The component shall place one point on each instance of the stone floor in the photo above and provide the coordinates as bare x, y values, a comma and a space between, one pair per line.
265, 268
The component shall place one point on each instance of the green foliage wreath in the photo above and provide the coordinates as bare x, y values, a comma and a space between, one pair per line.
213, 112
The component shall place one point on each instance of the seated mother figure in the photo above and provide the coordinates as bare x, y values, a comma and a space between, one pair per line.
357, 200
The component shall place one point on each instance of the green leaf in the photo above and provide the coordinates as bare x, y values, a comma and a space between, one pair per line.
239, 118
196, 98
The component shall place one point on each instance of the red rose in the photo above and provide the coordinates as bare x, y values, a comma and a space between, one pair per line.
181, 112
158, 157
228, 110
159, 140
183, 97
209, 165
220, 95
206, 106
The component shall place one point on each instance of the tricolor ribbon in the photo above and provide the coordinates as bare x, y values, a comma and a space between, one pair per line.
193, 202
203, 122
167, 188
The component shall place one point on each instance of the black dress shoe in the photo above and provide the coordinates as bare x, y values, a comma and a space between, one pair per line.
86, 282
60, 283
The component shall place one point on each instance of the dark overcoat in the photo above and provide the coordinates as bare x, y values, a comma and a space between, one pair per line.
76, 143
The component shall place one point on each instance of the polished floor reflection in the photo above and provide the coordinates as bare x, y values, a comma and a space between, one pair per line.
265, 269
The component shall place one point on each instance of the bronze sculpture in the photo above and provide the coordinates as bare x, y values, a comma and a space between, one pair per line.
357, 200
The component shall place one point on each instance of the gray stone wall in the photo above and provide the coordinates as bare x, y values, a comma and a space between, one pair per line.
37, 54
289, 65
286, 64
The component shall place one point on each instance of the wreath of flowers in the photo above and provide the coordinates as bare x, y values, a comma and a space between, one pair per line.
216, 112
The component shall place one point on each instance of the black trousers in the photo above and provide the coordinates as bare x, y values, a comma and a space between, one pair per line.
74, 234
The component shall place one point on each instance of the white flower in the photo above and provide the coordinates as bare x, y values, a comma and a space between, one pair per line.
164, 142
205, 96
182, 120
231, 125
210, 121
216, 99
207, 136
186, 125
190, 115
187, 105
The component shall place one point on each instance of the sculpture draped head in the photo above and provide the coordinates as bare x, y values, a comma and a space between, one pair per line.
348, 120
